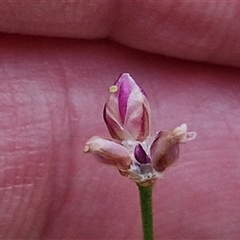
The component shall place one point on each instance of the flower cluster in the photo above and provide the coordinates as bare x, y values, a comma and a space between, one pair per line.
133, 150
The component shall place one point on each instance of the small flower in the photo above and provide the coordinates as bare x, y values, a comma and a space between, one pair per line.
133, 151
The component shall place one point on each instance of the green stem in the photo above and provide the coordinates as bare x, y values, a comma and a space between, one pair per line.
145, 194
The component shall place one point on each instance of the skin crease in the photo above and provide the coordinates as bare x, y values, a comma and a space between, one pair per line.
51, 99
195, 30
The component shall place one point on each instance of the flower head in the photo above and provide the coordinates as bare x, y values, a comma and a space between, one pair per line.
133, 150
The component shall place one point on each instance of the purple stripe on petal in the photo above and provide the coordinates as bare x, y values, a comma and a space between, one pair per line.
141, 155
126, 84
122, 78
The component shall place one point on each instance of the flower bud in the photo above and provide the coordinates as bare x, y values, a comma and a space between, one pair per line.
127, 112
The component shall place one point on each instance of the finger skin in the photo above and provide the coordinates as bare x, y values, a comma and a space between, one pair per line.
205, 31
35, 138
52, 96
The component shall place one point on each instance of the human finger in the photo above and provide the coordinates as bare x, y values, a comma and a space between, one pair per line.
52, 95
206, 31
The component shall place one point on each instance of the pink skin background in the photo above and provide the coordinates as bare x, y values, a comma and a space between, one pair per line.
52, 93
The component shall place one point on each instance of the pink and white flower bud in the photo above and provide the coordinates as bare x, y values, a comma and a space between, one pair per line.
109, 152
127, 112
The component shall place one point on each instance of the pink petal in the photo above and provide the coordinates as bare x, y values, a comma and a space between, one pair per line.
112, 106
164, 150
137, 120
115, 129
125, 86
109, 152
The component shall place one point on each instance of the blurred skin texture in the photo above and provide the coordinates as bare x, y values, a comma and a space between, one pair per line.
52, 94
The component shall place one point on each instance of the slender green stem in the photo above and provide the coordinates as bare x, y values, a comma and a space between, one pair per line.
145, 194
